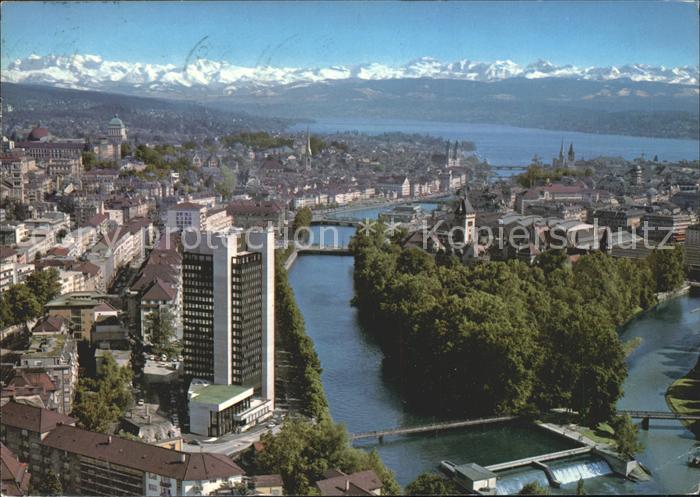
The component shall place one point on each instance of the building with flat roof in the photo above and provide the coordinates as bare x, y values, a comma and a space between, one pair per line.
228, 309
475, 478
81, 309
215, 410
57, 355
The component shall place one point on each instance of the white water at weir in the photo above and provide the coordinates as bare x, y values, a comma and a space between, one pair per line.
581, 470
510, 484
566, 472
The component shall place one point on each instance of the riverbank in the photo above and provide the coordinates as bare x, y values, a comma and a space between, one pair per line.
345, 211
683, 398
298, 368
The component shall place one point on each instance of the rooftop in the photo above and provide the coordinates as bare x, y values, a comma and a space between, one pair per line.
361, 483
32, 418
217, 394
15, 477
46, 346
77, 299
142, 456
475, 472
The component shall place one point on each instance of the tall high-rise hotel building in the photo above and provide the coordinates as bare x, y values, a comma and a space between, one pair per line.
228, 328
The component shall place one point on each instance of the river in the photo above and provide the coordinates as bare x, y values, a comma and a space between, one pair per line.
510, 145
362, 395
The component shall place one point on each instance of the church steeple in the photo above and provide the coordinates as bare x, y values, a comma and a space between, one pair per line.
571, 155
307, 151
561, 150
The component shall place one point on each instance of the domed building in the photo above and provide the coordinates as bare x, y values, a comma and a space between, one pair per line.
116, 134
38, 134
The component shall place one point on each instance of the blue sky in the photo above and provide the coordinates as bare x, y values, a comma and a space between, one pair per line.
313, 34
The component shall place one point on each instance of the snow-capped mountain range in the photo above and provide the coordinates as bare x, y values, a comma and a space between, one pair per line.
216, 78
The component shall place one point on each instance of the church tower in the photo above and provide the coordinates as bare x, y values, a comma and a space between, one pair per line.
307, 152
453, 155
447, 154
465, 220
571, 157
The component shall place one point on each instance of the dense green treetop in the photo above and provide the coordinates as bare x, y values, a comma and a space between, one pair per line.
303, 450
432, 484
501, 337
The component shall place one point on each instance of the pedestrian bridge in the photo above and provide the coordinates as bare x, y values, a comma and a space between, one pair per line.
527, 461
433, 427
645, 416
660, 415
317, 250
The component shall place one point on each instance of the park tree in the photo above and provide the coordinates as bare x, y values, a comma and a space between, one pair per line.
414, 260
44, 284
302, 219
6, 316
125, 149
667, 268
48, 484
626, 436
533, 488
227, 185
431, 484
317, 144
530, 177
551, 260
89, 160
303, 451
91, 411
21, 303
160, 330
102, 401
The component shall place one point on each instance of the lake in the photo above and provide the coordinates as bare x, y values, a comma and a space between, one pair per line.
510, 145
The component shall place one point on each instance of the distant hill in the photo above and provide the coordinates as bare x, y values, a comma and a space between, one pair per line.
620, 106
73, 113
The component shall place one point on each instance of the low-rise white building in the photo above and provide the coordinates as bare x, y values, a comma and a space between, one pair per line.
215, 410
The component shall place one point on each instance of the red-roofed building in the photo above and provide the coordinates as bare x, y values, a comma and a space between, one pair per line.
26, 386
110, 465
51, 324
14, 476
360, 483
23, 427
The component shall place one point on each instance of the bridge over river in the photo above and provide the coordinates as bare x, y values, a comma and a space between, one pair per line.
433, 427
